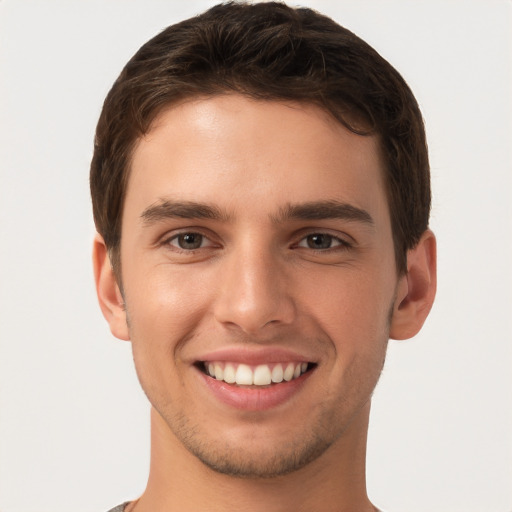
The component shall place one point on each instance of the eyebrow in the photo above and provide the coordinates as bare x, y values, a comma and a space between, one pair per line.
167, 209
321, 210
314, 210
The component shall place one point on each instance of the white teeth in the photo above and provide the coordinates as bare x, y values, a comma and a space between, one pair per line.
219, 372
244, 375
277, 373
229, 374
288, 373
262, 375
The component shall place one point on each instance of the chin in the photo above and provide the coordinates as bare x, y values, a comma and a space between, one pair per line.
259, 463
258, 452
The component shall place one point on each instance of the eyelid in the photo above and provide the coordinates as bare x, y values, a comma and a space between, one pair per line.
168, 237
344, 239
337, 242
205, 242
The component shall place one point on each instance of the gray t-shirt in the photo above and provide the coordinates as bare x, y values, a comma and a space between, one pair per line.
119, 508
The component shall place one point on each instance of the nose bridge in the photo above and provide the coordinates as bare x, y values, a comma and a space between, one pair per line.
253, 292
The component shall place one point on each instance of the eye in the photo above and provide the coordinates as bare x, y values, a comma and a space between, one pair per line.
321, 241
188, 241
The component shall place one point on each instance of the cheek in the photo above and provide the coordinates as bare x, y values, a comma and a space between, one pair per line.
164, 309
162, 314
162, 294
355, 317
350, 305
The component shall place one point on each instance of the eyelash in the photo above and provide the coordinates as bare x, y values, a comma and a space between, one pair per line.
176, 236
341, 244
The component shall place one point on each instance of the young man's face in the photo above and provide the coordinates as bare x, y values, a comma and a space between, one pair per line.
257, 246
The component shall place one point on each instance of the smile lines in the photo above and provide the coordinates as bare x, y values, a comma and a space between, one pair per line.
261, 375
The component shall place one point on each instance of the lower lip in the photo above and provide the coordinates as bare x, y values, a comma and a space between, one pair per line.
254, 398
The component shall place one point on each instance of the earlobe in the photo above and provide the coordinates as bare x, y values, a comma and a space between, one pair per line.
416, 289
109, 294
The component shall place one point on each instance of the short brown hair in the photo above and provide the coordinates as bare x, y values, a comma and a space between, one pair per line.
268, 51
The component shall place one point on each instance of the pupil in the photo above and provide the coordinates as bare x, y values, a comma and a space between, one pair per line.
319, 241
190, 241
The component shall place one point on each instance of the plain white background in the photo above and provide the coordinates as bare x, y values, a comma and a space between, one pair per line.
73, 422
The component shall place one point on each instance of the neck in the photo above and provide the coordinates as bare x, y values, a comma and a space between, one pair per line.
335, 481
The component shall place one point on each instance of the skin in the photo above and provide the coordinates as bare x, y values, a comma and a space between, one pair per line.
260, 277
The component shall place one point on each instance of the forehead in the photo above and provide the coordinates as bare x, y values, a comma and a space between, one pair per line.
233, 150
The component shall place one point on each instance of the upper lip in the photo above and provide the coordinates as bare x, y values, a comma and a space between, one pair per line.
255, 356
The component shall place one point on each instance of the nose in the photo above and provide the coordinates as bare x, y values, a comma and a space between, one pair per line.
254, 292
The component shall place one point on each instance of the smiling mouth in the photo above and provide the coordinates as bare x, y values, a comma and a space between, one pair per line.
239, 374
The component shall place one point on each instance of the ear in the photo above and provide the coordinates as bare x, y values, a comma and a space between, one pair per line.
416, 289
109, 294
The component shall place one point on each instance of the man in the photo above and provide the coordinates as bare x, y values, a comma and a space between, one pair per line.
261, 192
